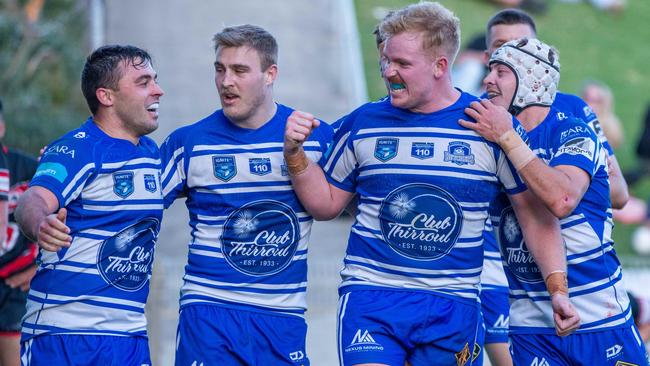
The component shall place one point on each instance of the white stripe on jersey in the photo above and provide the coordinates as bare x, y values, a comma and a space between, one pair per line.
353, 273
250, 147
122, 207
289, 301
109, 300
133, 162
451, 174
235, 190
74, 181
418, 131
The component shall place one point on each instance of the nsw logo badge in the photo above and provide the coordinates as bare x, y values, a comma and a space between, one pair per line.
123, 184
386, 149
224, 167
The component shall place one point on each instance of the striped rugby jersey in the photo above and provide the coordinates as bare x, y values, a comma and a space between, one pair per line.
594, 272
249, 232
111, 189
424, 184
492, 275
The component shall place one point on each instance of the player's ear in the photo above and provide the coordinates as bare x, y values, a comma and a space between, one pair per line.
440, 66
270, 74
104, 96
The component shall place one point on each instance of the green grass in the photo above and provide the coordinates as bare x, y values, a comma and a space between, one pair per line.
592, 45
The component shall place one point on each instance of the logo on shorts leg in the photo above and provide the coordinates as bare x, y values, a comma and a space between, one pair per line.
476, 352
539, 362
297, 356
463, 356
363, 342
622, 363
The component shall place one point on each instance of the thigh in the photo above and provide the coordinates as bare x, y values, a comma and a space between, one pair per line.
452, 335
215, 335
535, 349
496, 314
371, 328
621, 346
81, 350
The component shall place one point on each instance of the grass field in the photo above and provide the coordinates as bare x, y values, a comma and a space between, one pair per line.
592, 45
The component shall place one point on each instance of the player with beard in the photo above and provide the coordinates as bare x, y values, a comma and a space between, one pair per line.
414, 257
94, 207
243, 297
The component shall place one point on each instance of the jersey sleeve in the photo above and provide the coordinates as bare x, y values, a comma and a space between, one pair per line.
339, 163
323, 135
575, 144
584, 112
65, 168
174, 177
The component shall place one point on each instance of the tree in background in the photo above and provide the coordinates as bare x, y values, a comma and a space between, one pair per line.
42, 49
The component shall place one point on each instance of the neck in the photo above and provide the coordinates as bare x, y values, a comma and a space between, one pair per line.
114, 127
532, 116
442, 97
260, 117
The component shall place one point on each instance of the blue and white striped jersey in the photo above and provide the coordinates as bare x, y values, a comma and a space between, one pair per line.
111, 189
249, 231
424, 184
594, 272
492, 275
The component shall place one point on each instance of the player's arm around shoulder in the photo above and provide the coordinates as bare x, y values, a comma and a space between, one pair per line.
40, 212
320, 198
41, 220
541, 231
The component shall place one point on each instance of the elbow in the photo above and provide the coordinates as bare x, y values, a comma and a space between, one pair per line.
564, 207
324, 215
619, 200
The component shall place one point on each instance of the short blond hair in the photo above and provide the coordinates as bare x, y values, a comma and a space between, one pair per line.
439, 26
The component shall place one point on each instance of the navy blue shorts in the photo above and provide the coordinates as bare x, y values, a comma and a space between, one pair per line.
495, 306
615, 347
91, 350
391, 327
215, 335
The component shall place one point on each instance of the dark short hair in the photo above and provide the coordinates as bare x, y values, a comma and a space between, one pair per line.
509, 17
1, 108
251, 36
102, 69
